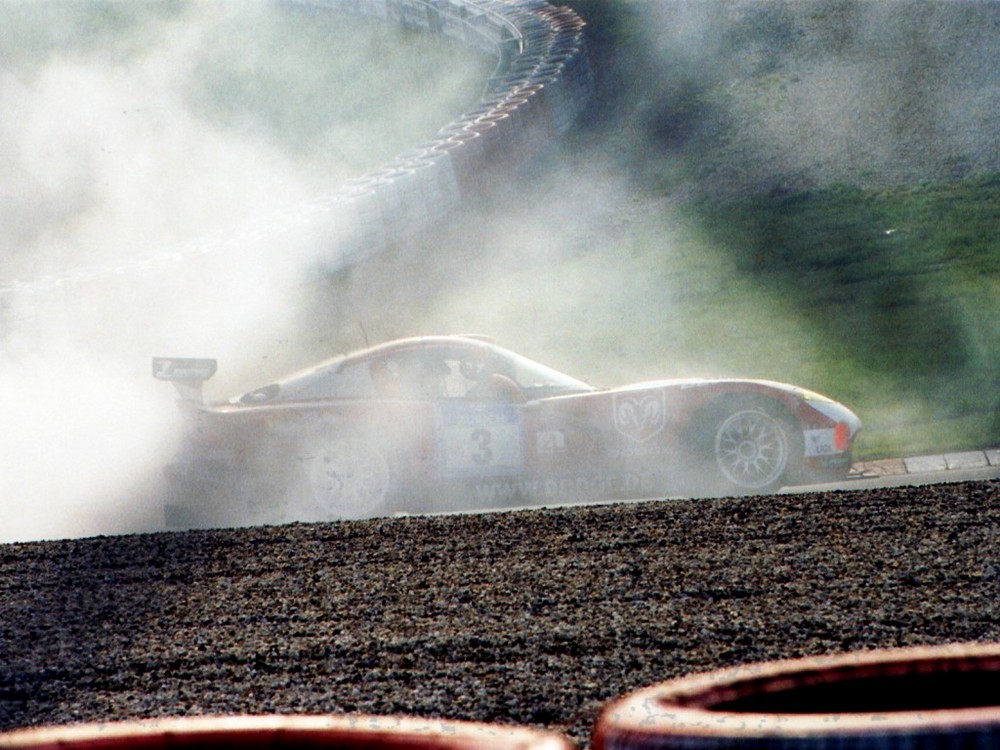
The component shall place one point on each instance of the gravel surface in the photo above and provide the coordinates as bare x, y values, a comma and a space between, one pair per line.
534, 617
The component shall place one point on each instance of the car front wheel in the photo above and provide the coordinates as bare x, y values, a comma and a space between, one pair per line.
752, 449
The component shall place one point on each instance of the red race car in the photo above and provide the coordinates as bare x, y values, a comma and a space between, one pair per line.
455, 422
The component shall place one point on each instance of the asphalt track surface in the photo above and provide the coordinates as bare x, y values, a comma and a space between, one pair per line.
535, 617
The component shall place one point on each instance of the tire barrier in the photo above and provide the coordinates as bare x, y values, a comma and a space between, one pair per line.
924, 697
541, 83
277, 732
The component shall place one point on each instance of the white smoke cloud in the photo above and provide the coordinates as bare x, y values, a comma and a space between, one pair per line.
136, 221
81, 444
105, 164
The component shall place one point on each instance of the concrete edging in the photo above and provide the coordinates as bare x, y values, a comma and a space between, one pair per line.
974, 459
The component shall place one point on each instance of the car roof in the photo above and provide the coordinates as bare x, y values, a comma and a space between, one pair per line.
415, 342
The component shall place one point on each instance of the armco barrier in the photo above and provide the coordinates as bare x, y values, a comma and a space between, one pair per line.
284, 733
541, 83
913, 698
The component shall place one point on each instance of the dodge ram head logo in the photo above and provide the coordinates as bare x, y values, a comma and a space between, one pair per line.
640, 416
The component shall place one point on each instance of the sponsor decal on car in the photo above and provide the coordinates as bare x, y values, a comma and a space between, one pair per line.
630, 484
820, 442
640, 416
550, 442
478, 438
638, 450
176, 368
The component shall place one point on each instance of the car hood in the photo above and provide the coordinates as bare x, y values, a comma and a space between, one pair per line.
684, 383
696, 382
823, 404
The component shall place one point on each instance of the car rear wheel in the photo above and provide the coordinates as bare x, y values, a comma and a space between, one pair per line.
752, 447
344, 478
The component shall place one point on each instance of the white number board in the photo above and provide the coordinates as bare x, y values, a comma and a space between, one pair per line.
479, 438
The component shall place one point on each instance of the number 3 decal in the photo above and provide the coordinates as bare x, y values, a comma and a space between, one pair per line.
478, 438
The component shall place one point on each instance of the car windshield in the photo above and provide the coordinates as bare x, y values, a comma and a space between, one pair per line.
538, 379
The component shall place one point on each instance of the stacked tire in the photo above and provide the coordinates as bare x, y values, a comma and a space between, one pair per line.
284, 733
915, 698
925, 698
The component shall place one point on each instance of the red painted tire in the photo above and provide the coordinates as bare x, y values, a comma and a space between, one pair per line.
916, 698
284, 732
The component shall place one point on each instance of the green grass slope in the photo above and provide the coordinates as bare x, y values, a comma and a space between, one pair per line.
842, 158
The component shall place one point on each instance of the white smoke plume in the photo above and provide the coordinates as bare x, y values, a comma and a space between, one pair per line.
152, 202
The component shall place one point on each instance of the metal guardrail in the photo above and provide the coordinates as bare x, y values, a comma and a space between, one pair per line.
541, 83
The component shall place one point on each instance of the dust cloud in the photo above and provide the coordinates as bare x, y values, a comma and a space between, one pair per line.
157, 198
169, 158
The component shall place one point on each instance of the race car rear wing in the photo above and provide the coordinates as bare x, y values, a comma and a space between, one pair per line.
188, 375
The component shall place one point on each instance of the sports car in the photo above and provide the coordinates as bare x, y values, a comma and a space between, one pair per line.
442, 423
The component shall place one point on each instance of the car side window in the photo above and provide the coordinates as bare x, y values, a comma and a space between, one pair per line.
412, 376
325, 382
348, 381
482, 380
435, 374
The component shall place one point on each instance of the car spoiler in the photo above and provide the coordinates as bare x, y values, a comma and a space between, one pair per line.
186, 374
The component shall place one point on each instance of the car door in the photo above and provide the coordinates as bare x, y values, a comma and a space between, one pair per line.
478, 420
